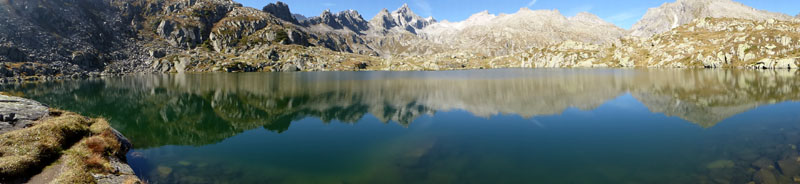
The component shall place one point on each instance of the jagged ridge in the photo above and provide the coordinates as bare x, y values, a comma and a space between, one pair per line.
221, 35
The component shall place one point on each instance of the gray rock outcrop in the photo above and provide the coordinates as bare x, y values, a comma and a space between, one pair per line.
299, 17
25, 112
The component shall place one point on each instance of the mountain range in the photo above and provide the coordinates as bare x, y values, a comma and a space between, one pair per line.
671, 15
47, 39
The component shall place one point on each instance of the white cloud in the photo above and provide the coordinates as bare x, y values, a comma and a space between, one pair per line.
329, 4
424, 6
533, 2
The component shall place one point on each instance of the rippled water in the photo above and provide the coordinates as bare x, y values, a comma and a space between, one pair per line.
488, 126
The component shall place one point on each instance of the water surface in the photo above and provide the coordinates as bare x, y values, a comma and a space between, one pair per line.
487, 126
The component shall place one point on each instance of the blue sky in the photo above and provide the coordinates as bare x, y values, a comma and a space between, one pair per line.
623, 13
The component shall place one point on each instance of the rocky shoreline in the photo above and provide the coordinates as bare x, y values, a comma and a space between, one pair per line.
43, 145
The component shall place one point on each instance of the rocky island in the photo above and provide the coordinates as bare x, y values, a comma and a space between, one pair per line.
50, 39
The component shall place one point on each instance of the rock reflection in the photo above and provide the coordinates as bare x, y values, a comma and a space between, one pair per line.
201, 109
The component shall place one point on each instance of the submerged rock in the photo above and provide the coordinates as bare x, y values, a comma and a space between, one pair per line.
765, 176
789, 167
720, 164
763, 163
164, 171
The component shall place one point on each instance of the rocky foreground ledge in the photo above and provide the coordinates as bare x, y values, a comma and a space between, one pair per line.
39, 144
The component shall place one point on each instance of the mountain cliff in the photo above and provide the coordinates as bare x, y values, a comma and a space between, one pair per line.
280, 10
671, 15
350, 20
39, 37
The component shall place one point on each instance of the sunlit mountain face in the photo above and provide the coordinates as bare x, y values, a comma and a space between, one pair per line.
335, 126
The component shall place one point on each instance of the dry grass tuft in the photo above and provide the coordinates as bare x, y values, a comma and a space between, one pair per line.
96, 144
100, 125
91, 155
82, 159
75, 170
97, 163
29, 148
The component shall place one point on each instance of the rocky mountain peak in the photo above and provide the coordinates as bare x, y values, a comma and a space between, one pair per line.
528, 13
671, 15
299, 17
280, 10
326, 13
383, 20
349, 19
484, 15
406, 19
404, 9
384, 11
508, 33
589, 18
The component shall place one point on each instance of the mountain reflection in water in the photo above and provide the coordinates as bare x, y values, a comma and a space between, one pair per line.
200, 109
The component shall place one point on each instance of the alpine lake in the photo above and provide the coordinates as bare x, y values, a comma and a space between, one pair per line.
474, 126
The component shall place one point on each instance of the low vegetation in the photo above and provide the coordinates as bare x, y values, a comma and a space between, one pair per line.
90, 154
26, 150
84, 146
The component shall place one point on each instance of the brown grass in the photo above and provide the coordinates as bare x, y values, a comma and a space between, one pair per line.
29, 148
75, 169
23, 151
12, 93
96, 144
91, 155
96, 162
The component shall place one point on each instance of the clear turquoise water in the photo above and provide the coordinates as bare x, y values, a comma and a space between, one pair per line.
488, 126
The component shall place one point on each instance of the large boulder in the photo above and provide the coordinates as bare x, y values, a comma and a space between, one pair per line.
25, 112
87, 59
789, 166
289, 67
